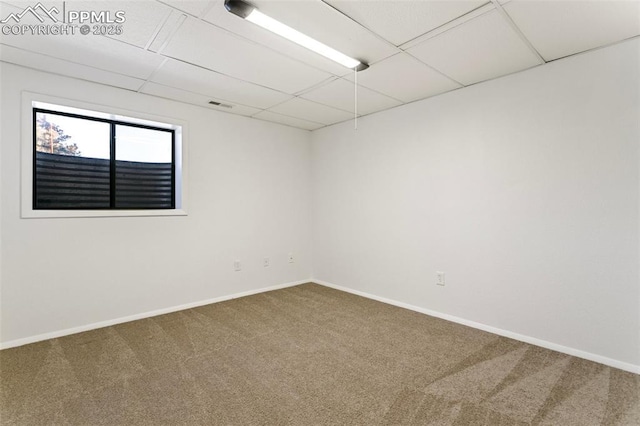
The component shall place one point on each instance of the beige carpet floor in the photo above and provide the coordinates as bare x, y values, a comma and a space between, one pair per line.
306, 355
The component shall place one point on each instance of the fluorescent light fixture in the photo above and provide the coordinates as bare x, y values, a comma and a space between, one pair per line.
251, 14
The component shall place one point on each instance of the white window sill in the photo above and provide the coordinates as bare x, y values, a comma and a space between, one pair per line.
51, 214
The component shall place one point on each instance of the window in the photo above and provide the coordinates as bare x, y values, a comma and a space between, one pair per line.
124, 144
101, 162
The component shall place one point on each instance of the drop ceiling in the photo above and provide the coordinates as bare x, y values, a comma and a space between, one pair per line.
196, 52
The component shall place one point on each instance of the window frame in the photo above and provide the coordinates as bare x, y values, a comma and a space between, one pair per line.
112, 158
31, 102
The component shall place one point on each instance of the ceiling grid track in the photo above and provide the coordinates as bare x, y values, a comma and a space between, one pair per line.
515, 28
157, 30
437, 70
460, 20
70, 62
164, 61
235, 78
181, 19
378, 36
374, 90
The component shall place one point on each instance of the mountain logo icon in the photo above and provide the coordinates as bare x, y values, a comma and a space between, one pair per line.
34, 11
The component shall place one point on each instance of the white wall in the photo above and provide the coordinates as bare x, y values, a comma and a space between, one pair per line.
524, 190
248, 198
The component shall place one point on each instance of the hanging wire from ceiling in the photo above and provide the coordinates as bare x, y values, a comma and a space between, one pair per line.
355, 99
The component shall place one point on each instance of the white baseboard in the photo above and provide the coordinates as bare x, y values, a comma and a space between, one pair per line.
101, 324
516, 336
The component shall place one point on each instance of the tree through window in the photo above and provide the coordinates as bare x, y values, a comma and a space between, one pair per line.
52, 139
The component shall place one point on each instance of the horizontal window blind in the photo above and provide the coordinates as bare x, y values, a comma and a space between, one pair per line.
143, 185
76, 182
71, 182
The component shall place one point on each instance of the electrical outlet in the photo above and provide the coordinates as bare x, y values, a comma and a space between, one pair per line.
236, 266
291, 258
440, 278
265, 262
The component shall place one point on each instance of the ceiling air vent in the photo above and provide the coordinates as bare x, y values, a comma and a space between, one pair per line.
220, 104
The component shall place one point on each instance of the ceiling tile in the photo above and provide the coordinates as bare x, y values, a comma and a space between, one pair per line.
192, 7
194, 98
313, 18
405, 78
480, 49
401, 21
199, 80
340, 94
560, 28
96, 51
59, 66
203, 44
289, 121
311, 111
